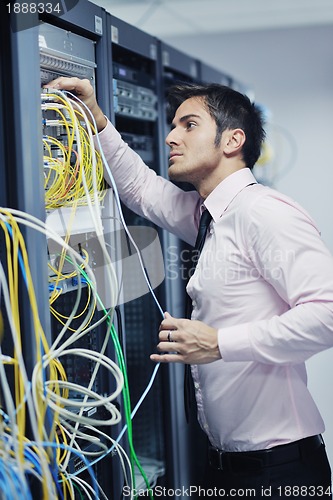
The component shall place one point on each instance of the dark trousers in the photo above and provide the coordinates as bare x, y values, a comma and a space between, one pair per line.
307, 477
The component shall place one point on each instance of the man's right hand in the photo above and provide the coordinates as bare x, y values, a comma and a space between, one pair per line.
85, 92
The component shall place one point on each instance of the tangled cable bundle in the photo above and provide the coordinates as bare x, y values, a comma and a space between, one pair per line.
62, 426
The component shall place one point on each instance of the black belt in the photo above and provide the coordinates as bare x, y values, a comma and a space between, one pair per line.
248, 461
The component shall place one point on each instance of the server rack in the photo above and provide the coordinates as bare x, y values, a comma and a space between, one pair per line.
208, 74
40, 48
22, 187
78, 38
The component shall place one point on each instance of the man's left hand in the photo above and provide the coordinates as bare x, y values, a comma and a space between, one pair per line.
186, 341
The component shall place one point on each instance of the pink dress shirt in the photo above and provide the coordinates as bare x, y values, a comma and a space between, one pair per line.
264, 280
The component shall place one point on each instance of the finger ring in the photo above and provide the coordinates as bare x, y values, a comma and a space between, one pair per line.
169, 336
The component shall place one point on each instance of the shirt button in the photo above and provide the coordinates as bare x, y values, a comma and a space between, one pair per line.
206, 426
196, 385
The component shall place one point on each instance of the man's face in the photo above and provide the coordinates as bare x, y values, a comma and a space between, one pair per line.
193, 154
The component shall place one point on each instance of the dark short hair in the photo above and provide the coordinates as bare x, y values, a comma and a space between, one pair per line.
230, 109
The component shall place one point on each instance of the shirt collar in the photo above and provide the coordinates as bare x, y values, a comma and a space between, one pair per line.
221, 197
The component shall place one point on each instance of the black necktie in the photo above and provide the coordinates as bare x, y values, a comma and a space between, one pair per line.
203, 227
199, 243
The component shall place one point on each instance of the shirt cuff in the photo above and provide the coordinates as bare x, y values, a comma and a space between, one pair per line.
234, 343
102, 132
109, 139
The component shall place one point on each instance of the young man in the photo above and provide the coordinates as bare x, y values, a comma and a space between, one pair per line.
262, 291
